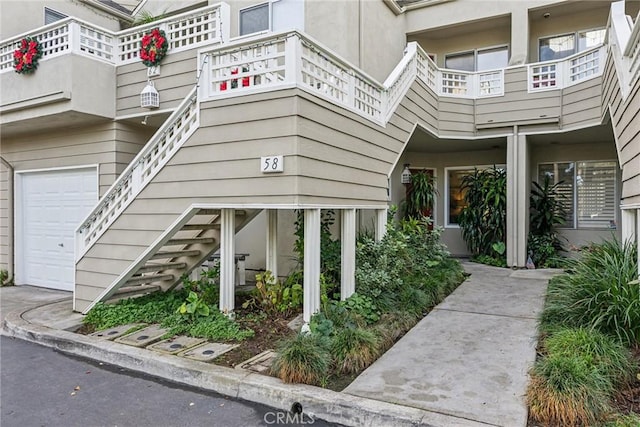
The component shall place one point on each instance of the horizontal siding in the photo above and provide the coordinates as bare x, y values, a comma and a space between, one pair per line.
517, 104
176, 79
581, 104
332, 156
455, 116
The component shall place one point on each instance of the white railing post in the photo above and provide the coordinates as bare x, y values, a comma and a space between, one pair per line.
292, 59
351, 90
74, 37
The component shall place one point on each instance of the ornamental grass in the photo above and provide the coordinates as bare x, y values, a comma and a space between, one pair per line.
302, 359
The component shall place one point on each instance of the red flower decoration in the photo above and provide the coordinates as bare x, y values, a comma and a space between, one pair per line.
153, 47
25, 58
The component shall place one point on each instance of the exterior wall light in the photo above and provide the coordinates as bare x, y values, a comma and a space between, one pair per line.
149, 97
406, 174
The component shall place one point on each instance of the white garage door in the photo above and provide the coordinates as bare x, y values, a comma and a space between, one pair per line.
52, 204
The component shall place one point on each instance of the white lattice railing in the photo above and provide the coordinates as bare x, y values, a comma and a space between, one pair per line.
155, 154
70, 35
632, 51
574, 69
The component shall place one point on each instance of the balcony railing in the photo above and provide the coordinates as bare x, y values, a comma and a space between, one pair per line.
70, 35
552, 75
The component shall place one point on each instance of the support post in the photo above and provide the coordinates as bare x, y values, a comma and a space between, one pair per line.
311, 285
227, 264
518, 189
381, 223
348, 253
628, 217
272, 242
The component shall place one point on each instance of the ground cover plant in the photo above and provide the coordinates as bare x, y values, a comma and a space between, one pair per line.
588, 372
398, 280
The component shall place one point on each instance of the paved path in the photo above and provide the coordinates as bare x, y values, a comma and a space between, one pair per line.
470, 356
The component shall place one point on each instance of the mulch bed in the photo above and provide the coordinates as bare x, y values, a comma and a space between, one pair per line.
628, 400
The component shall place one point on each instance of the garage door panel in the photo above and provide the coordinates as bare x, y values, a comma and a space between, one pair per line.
53, 204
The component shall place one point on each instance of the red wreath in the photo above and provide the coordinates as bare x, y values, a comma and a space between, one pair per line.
153, 47
25, 59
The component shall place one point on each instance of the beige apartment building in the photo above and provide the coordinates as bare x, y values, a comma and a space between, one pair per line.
118, 176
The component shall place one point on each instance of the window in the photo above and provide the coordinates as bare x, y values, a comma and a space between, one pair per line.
254, 19
51, 16
455, 193
589, 189
478, 60
558, 47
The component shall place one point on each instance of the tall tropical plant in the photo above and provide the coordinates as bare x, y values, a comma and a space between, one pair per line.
421, 195
546, 213
483, 220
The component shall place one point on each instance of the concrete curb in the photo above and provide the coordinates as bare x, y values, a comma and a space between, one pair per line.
325, 404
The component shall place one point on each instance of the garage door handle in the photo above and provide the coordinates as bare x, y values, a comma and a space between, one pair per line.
61, 245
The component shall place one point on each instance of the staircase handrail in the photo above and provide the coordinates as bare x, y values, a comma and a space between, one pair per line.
135, 177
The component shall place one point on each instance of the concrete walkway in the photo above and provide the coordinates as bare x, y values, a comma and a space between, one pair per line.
465, 364
470, 356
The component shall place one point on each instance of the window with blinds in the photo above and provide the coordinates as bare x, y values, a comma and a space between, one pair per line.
596, 189
588, 191
51, 16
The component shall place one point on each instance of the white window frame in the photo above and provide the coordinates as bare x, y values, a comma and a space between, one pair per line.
254, 6
447, 224
575, 34
475, 57
574, 226
52, 11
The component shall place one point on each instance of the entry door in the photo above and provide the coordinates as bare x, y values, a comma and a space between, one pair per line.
52, 204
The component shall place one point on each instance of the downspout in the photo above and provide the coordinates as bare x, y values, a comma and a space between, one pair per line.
10, 233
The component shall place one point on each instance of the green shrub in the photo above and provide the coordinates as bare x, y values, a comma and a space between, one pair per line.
152, 308
629, 420
599, 291
392, 326
302, 359
490, 260
5, 280
273, 296
354, 349
363, 308
215, 327
567, 391
483, 220
598, 350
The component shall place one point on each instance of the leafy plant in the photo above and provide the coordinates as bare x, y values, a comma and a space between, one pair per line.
483, 220
362, 307
600, 291
546, 213
207, 286
274, 297
5, 280
215, 327
302, 359
194, 307
421, 195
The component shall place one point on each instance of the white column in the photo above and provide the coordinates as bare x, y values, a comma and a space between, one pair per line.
311, 291
381, 223
272, 242
348, 253
518, 188
519, 36
227, 265
628, 217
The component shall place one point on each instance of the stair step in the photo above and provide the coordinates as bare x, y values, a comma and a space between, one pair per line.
175, 254
162, 266
151, 278
190, 241
201, 227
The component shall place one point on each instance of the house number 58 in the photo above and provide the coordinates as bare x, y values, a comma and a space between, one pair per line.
272, 164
